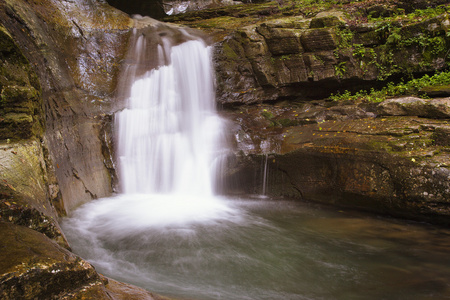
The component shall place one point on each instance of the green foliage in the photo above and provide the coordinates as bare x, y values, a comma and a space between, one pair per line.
359, 51
394, 38
319, 59
427, 13
345, 37
411, 87
340, 69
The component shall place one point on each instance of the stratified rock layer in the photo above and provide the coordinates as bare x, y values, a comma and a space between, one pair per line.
34, 267
291, 58
381, 158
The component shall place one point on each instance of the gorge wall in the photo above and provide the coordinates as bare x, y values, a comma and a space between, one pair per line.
59, 70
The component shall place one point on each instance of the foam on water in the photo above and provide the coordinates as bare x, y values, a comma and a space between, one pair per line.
130, 213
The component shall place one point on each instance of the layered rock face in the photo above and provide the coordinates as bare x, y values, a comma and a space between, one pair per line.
76, 62
354, 155
297, 57
381, 158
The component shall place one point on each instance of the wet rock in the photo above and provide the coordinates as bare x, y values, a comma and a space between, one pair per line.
31, 218
436, 91
346, 156
20, 102
334, 54
441, 136
34, 267
413, 106
29, 194
75, 49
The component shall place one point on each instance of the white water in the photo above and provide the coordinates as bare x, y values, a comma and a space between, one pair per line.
170, 133
170, 140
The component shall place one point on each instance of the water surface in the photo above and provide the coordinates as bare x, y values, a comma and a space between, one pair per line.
219, 248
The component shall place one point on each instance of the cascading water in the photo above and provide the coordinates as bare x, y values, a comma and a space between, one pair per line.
169, 133
168, 233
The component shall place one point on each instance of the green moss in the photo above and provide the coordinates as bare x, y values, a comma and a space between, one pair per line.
21, 115
228, 51
267, 114
287, 122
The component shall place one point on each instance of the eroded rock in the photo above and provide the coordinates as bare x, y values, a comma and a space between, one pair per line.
311, 58
34, 267
345, 155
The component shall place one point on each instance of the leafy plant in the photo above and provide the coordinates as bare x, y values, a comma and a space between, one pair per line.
411, 87
340, 69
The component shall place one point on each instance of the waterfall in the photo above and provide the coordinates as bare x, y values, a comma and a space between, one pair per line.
265, 177
169, 133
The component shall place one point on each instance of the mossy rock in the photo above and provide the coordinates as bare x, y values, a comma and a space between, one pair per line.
436, 91
15, 126
321, 39
20, 103
14, 67
31, 218
281, 41
328, 19
413, 106
34, 267
441, 136
378, 11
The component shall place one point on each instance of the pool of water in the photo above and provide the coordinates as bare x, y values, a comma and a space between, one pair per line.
259, 249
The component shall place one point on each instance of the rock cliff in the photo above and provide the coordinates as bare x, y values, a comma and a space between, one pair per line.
59, 64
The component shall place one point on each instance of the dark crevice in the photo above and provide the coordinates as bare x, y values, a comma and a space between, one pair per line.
151, 8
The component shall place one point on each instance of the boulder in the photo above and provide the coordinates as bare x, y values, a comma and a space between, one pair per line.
328, 19
436, 91
413, 106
